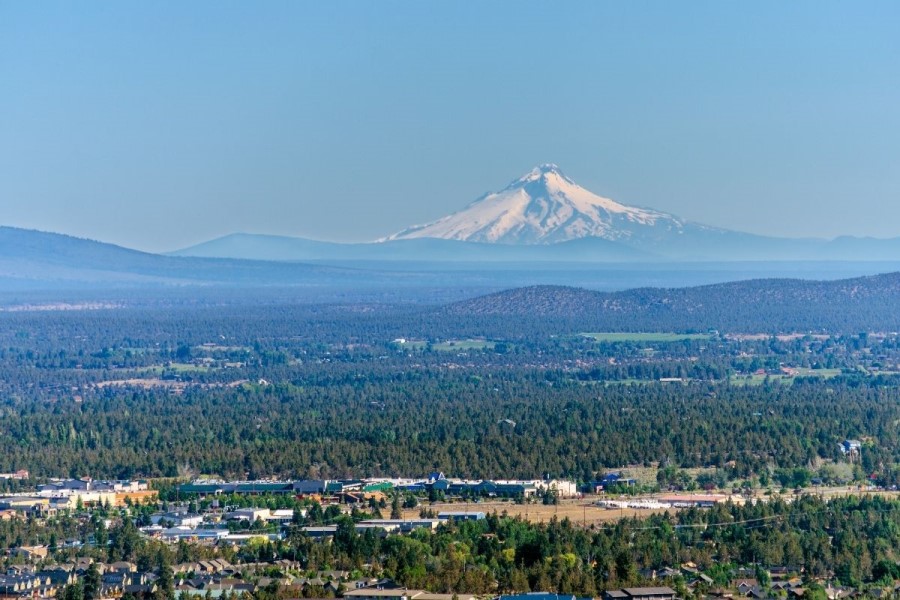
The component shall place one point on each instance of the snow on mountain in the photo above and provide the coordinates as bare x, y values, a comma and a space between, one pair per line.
544, 207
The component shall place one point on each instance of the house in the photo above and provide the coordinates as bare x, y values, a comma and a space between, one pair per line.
116, 579
851, 446
667, 572
744, 585
140, 590
30, 552
59, 577
122, 566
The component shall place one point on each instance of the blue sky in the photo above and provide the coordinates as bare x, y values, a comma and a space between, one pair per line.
156, 125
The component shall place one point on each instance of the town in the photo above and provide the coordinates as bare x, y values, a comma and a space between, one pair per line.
233, 539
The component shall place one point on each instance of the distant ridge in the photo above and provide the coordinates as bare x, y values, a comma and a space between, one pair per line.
768, 305
37, 258
282, 248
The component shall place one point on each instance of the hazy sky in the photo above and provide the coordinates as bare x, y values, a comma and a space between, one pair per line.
156, 125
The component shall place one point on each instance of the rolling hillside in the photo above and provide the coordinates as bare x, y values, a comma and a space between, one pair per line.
765, 305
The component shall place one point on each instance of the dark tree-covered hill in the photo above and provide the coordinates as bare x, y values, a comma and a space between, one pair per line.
772, 305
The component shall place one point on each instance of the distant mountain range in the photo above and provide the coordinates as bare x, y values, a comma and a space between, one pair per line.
543, 228
33, 261
35, 258
545, 216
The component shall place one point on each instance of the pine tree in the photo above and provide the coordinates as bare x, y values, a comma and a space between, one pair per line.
92, 582
396, 513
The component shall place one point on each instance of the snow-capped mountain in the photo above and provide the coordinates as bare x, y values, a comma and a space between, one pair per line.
545, 207
546, 217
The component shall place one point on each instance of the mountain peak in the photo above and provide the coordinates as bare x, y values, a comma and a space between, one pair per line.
541, 172
546, 168
544, 206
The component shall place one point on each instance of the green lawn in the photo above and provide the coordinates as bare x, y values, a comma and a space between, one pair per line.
646, 337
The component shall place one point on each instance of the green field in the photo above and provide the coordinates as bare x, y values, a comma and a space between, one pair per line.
646, 337
779, 378
450, 345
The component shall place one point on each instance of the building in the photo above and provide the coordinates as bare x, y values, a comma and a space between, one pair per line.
177, 519
695, 500
249, 514
541, 596
28, 505
610, 480
207, 487
641, 593
375, 593
86, 484
403, 525
461, 516
851, 449
176, 534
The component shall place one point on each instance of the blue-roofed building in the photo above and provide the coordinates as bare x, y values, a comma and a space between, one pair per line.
611, 480
542, 596
412, 487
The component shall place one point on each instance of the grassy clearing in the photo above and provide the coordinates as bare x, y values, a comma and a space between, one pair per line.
220, 348
658, 337
450, 345
783, 379
178, 368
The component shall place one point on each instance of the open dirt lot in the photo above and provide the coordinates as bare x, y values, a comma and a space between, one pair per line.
585, 512
578, 511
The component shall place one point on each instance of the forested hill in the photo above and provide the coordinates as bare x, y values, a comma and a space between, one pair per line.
765, 305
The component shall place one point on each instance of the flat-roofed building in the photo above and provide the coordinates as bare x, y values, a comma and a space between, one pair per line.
641, 593
461, 516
